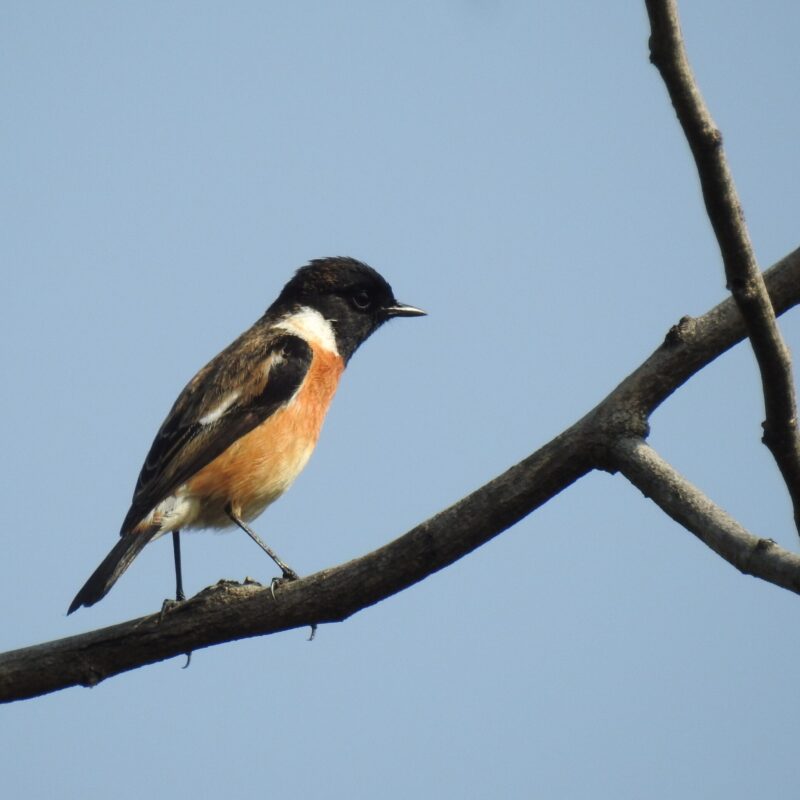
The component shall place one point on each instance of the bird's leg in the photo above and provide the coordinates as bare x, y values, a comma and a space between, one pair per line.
179, 595
288, 573
176, 551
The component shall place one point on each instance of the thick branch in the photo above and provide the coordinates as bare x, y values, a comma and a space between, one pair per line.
744, 278
230, 611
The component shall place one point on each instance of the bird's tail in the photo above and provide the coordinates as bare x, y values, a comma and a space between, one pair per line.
112, 566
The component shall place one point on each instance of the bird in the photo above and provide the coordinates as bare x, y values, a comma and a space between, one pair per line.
246, 424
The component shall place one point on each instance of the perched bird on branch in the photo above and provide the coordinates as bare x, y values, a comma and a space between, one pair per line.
246, 424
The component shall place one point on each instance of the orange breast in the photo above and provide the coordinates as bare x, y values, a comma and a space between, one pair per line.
258, 468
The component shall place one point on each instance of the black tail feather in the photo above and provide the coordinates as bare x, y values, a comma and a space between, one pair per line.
112, 566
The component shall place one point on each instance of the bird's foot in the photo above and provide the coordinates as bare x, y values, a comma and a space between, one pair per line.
168, 606
288, 576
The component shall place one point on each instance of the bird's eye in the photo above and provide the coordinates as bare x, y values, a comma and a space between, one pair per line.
362, 300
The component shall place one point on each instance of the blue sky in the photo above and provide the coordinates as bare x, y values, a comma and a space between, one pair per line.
514, 168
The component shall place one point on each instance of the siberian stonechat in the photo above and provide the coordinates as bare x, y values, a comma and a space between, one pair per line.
246, 424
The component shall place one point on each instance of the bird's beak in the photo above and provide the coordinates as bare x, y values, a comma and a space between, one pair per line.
400, 310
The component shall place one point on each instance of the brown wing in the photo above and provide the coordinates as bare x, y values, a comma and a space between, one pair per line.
246, 383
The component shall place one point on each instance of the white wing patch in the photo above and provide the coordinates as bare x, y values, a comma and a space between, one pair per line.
309, 324
216, 413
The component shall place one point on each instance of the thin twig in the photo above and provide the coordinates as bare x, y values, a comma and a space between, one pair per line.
781, 436
687, 505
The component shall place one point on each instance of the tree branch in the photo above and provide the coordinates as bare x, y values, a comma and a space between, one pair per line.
230, 611
687, 505
610, 437
743, 276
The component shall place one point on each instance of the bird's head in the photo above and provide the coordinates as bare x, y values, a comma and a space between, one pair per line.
351, 296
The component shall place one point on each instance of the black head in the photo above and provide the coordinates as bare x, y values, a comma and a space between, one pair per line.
352, 296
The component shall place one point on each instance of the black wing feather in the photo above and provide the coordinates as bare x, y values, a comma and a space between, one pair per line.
266, 371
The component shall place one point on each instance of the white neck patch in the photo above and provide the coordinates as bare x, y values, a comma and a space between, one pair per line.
309, 324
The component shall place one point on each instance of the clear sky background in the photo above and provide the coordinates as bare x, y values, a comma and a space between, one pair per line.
516, 169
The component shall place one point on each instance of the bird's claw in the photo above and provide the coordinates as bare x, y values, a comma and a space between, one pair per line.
166, 607
288, 576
